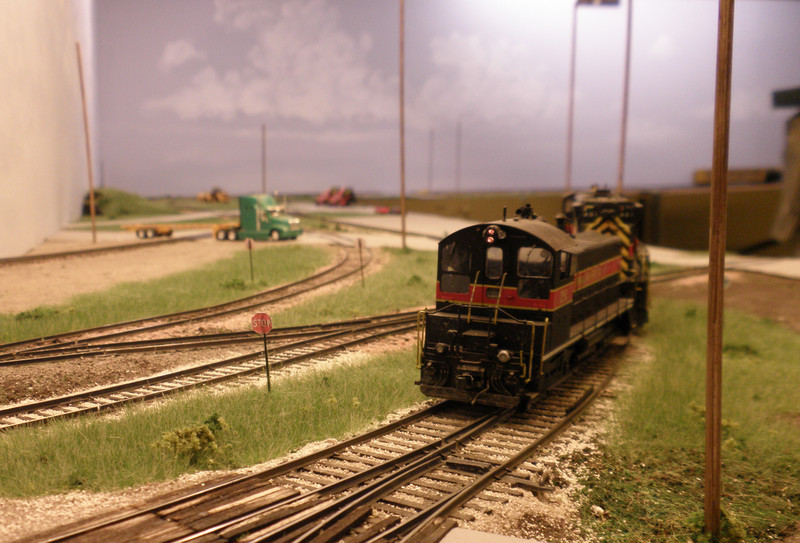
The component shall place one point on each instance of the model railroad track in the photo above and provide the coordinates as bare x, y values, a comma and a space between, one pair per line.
238, 367
95, 348
349, 264
407, 481
98, 250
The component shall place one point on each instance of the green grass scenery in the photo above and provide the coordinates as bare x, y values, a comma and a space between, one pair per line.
208, 431
649, 476
408, 280
114, 203
214, 283
205, 431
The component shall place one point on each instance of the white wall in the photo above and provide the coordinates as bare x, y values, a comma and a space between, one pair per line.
43, 173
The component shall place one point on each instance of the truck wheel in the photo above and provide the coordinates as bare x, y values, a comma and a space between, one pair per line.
232, 235
221, 235
140, 234
274, 235
150, 233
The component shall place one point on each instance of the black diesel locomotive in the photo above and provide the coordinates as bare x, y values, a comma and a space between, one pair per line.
520, 302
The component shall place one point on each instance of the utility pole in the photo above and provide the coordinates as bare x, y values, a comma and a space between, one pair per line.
430, 160
458, 157
571, 101
264, 158
716, 270
88, 143
402, 125
625, 94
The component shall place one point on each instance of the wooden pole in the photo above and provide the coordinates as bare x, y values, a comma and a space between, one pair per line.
458, 157
264, 158
571, 104
716, 270
88, 143
430, 160
625, 94
361, 260
402, 125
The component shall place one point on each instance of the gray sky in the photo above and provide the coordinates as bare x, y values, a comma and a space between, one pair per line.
184, 86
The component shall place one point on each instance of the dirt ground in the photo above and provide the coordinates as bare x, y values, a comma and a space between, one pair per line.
26, 286
29, 285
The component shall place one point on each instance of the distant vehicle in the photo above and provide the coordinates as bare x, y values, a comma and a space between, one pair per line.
323, 197
216, 195
260, 218
751, 176
337, 196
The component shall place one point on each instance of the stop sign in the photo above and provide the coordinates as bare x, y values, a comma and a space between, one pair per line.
262, 323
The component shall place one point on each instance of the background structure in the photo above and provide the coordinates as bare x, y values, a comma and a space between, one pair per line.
43, 173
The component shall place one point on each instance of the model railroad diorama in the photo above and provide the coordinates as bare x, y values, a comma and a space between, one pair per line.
521, 307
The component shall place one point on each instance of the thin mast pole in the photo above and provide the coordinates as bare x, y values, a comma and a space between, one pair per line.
716, 269
402, 125
88, 143
571, 105
264, 158
625, 94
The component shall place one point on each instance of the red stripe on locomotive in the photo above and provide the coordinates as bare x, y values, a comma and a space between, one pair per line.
558, 297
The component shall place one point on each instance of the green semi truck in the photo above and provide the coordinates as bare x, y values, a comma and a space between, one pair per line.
260, 218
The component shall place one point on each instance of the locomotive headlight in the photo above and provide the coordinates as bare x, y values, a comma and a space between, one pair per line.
440, 348
492, 234
504, 356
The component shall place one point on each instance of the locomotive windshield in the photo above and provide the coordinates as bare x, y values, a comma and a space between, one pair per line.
534, 262
454, 263
494, 262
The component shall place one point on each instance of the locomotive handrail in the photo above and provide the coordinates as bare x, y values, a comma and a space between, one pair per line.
499, 296
472, 295
421, 318
544, 345
529, 368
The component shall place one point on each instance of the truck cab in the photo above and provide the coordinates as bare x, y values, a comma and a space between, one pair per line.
262, 219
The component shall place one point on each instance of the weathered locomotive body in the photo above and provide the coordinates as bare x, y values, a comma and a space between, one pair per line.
520, 301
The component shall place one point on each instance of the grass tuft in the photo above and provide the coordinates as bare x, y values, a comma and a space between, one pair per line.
197, 445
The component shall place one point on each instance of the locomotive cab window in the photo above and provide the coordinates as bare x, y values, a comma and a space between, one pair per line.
534, 262
535, 269
565, 270
454, 264
494, 262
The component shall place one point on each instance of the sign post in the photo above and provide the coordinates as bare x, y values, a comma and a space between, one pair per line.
361, 260
249, 243
262, 324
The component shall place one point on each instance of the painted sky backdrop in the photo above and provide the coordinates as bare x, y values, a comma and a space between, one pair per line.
185, 85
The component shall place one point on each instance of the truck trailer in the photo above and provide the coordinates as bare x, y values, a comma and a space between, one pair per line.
260, 218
